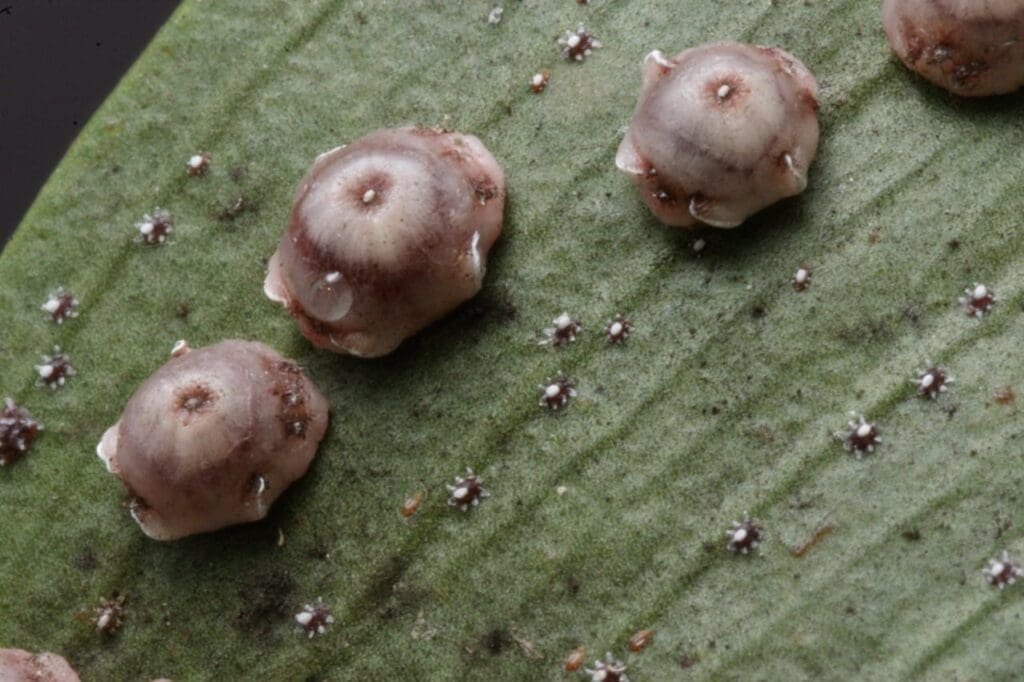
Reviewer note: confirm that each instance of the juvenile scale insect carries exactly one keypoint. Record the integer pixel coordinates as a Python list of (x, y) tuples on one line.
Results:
[(745, 536), (466, 491), (610, 669), (17, 431), (563, 332), (978, 300), (578, 45), (618, 330), (109, 615), (198, 163), (1002, 572), (539, 81), (932, 381), (314, 618), (155, 227), (54, 370), (861, 436), (555, 393), (61, 305), (802, 278)]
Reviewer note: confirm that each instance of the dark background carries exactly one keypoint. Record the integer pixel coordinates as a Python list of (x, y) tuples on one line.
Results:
[(59, 59)]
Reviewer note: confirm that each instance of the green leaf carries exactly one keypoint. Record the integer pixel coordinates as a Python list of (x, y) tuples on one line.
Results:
[(724, 400)]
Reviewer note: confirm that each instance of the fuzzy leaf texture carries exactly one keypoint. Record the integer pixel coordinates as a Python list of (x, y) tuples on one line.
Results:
[(725, 399)]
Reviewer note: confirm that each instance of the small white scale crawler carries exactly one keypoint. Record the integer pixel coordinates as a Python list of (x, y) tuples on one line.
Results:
[(618, 330), (564, 331), (314, 618), (54, 370), (578, 45), (60, 305), (466, 491), (555, 393), (978, 300), (932, 381), (802, 278), (610, 669), (1002, 572), (539, 81), (197, 163), (17, 431), (155, 227), (745, 535), (109, 615), (861, 436)]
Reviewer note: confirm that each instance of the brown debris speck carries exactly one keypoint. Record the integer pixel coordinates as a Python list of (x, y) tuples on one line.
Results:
[(1004, 395), (525, 645), (410, 505), (640, 640), (575, 659), (237, 207), (823, 531)]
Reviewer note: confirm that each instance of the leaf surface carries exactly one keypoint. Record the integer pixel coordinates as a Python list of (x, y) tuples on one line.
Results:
[(725, 399)]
